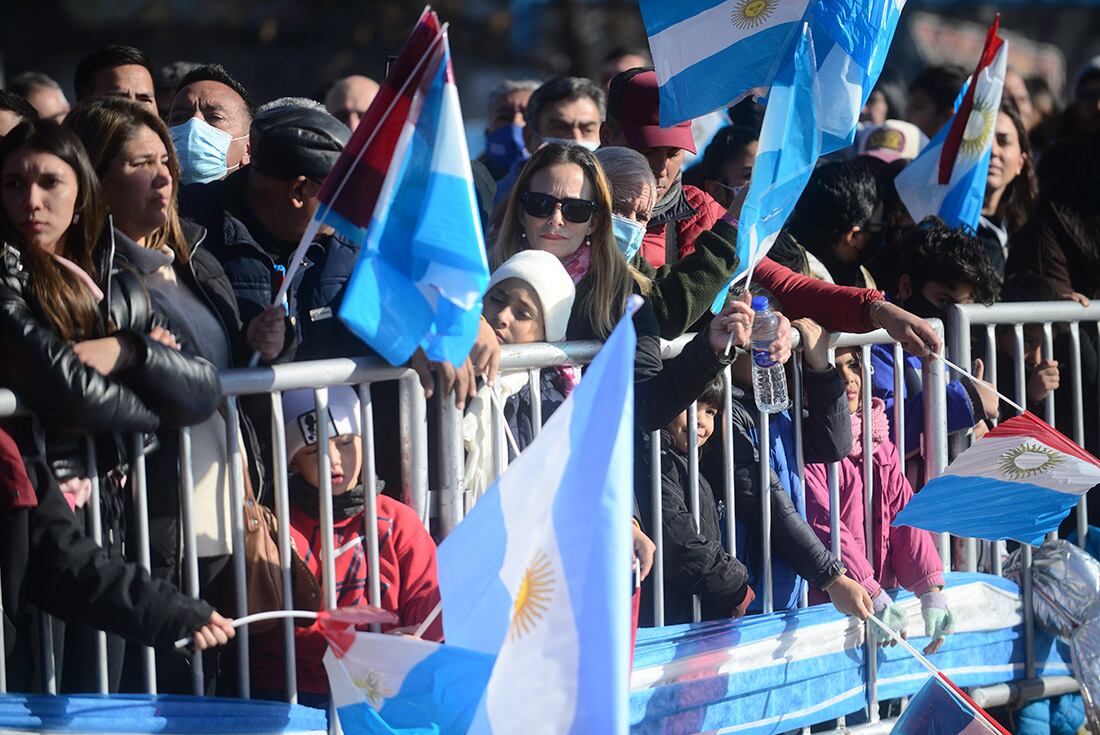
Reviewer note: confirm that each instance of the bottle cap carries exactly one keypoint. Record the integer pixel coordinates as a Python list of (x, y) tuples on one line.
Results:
[(759, 303)]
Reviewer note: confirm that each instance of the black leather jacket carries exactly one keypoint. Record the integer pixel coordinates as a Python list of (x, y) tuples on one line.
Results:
[(161, 388)]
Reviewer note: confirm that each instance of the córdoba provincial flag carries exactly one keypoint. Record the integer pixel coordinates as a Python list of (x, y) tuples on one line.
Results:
[(1017, 482), (948, 177), (936, 709), (538, 573)]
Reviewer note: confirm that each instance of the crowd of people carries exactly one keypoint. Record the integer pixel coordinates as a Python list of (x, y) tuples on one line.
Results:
[(147, 228)]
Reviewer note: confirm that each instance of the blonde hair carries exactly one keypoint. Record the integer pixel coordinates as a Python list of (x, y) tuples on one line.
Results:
[(105, 125), (612, 277)]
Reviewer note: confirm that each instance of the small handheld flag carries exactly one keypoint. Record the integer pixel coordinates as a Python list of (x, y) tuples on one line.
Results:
[(1017, 482), (948, 177)]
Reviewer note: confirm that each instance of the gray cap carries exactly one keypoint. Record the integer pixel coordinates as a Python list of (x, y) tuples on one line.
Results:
[(292, 141)]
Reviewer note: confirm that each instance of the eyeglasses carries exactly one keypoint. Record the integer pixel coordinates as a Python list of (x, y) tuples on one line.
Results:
[(539, 205)]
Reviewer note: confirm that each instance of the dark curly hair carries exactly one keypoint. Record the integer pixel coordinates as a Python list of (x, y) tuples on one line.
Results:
[(839, 196), (932, 251)]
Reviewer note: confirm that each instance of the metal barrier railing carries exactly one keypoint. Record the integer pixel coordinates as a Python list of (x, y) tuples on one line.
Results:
[(446, 504)]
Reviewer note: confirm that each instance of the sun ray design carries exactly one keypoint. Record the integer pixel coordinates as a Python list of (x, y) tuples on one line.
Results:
[(1028, 460), (753, 13), (536, 592), (374, 686), (979, 128)]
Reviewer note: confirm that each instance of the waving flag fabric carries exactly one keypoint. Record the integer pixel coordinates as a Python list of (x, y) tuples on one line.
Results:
[(387, 684), (948, 177), (538, 573), (710, 53), (403, 192), (1017, 482), (939, 710), (788, 149)]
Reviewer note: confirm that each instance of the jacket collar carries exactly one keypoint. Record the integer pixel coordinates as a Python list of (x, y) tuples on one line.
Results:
[(675, 206)]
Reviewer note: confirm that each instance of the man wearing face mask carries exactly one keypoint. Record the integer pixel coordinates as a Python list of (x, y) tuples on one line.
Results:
[(562, 110), (504, 145), (838, 220), (208, 122)]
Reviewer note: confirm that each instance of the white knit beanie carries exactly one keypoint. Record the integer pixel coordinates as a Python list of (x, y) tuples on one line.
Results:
[(547, 276), (300, 416)]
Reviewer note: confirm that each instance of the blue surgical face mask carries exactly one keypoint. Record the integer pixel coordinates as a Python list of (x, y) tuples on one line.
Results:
[(202, 149), (628, 234), (504, 146)]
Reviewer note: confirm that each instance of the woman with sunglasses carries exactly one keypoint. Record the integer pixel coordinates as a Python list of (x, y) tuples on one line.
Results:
[(561, 204)]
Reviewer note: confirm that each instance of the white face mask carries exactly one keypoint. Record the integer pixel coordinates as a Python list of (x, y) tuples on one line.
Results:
[(588, 145)]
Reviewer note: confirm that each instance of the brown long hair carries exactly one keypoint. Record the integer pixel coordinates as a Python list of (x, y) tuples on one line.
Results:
[(64, 299), (106, 125), (612, 277), (1018, 201)]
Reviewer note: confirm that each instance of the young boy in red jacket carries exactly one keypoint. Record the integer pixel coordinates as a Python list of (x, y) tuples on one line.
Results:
[(406, 552)]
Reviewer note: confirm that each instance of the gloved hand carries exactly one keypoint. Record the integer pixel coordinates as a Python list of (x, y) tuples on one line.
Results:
[(938, 620), (892, 614)]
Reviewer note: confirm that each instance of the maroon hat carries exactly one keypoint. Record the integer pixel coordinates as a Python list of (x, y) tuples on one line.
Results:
[(634, 101)]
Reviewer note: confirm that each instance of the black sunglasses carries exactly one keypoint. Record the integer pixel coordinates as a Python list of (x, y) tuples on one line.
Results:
[(572, 210)]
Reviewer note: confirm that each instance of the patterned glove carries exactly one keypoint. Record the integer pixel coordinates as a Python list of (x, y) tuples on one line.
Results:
[(938, 620), (892, 614)]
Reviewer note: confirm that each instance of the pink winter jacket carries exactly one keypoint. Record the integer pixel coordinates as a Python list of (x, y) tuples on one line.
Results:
[(903, 556)]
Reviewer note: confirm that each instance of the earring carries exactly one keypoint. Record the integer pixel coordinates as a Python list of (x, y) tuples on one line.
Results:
[(76, 217), (522, 235)]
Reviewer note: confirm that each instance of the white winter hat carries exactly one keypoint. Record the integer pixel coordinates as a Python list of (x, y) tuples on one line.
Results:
[(547, 276), (300, 416)]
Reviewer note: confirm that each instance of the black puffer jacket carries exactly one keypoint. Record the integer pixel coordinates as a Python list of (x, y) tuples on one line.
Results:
[(161, 388), (695, 563)]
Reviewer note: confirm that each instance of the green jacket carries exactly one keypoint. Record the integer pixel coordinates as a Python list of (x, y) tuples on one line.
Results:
[(683, 292)]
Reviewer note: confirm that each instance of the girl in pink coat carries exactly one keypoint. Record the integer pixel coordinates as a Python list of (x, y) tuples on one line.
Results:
[(903, 556)]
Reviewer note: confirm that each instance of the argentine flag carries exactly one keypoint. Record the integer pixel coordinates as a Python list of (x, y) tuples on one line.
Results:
[(538, 574), (790, 143), (1017, 482), (708, 54), (388, 684), (948, 177)]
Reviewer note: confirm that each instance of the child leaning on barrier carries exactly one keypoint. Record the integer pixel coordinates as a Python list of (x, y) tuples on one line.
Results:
[(901, 555), (695, 563), (529, 300), (406, 553)]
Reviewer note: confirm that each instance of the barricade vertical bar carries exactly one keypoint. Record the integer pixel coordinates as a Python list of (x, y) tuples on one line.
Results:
[(534, 382), (141, 515), (1078, 422), (1025, 577), (868, 468), (500, 449), (3, 645), (324, 474), (800, 460), (282, 517), (1048, 354), (97, 536), (693, 489), (763, 430), (451, 475), (935, 437), (657, 530), (49, 663), (996, 547), (236, 515), (190, 557), (727, 460), (832, 474), (370, 500), (899, 405), (413, 421)]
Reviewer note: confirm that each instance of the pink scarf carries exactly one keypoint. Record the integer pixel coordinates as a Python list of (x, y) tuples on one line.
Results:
[(880, 428), (576, 263)]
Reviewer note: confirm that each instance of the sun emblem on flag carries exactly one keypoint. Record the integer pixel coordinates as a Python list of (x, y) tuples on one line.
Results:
[(536, 590), (979, 128), (753, 13), (1028, 460), (374, 687)]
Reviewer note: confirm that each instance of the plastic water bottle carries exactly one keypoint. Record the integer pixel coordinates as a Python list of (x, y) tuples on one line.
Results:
[(769, 381)]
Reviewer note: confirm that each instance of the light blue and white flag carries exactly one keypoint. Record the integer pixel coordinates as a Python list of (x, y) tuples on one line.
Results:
[(422, 268), (389, 685), (710, 53), (539, 572), (790, 143), (948, 178)]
